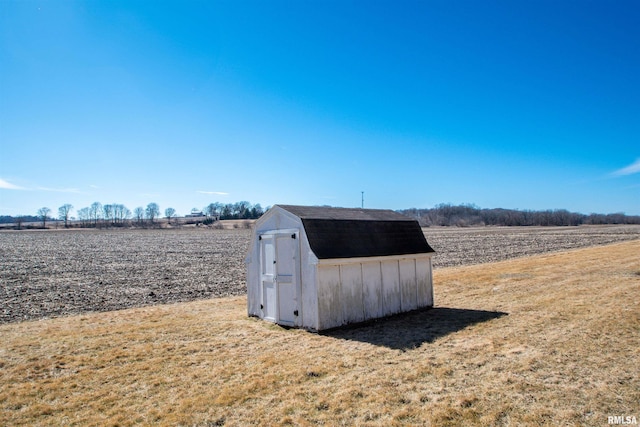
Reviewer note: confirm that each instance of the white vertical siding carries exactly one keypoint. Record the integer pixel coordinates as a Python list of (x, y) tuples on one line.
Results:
[(424, 281), (329, 297), (309, 288), (372, 290), (390, 287), (408, 288), (352, 293)]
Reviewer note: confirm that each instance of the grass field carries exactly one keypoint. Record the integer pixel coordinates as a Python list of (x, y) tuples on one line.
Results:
[(545, 340)]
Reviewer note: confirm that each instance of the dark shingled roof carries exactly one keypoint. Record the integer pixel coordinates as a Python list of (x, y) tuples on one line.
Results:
[(350, 233)]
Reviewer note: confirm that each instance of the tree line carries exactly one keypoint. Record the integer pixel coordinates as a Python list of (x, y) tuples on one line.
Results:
[(239, 210), (118, 215), (467, 215)]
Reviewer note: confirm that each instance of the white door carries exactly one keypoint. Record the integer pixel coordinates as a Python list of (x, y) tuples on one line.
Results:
[(280, 281), (268, 277)]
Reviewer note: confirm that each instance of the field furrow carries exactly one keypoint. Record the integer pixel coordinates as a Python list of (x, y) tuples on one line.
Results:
[(62, 272)]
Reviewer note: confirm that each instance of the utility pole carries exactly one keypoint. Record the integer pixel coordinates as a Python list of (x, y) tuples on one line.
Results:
[(362, 205)]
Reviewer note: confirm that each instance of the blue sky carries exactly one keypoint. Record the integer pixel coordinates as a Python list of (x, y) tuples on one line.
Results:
[(513, 104)]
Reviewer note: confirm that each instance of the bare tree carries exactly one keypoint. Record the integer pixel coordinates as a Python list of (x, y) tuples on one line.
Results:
[(121, 213), (152, 212), (213, 210), (95, 211), (256, 211), (169, 213), (138, 214), (63, 213), (241, 210), (43, 213), (109, 213), (84, 216), (227, 211), (18, 221)]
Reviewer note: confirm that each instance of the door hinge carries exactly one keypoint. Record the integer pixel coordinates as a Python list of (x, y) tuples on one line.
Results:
[(295, 312), (259, 237), (261, 307), (293, 236)]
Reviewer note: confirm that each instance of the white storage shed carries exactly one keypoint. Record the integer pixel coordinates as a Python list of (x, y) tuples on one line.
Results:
[(320, 267)]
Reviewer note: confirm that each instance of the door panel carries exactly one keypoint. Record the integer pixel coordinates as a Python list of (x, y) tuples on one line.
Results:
[(267, 277), (279, 276), (270, 300), (286, 303), (286, 249)]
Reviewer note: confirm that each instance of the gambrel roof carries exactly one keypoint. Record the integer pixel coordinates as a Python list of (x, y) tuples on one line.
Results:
[(352, 232)]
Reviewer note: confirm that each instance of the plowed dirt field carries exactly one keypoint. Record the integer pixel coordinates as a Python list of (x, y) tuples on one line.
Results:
[(52, 273)]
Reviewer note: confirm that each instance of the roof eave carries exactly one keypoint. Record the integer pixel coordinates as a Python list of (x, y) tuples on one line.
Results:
[(358, 260)]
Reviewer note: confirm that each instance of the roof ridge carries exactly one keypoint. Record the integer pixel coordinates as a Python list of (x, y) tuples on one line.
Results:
[(340, 213)]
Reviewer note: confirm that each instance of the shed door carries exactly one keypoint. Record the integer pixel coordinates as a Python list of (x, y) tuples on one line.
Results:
[(280, 277), (268, 277)]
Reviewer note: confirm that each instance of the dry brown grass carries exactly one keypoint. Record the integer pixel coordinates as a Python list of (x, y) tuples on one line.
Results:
[(545, 340)]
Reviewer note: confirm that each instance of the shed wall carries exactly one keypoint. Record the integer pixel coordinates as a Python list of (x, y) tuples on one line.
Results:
[(354, 291), (390, 287), (408, 289), (330, 311), (372, 290), (424, 282)]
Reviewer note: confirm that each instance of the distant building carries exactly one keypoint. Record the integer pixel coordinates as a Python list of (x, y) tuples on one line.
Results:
[(200, 215)]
